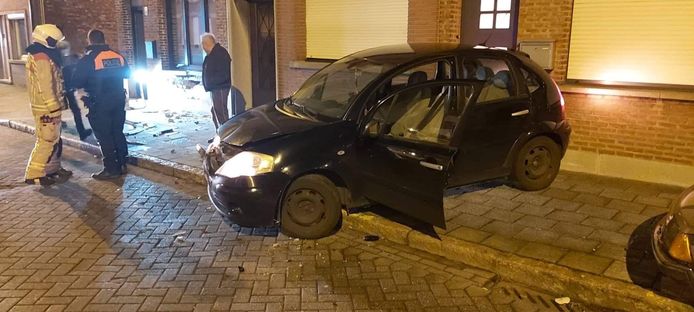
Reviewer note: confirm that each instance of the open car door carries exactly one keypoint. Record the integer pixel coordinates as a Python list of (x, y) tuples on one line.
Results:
[(408, 147)]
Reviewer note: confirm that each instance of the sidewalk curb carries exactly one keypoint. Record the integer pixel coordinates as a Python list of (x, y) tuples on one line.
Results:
[(166, 167), (581, 286)]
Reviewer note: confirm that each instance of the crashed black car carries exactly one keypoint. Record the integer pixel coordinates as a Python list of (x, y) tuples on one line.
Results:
[(394, 125), (673, 242)]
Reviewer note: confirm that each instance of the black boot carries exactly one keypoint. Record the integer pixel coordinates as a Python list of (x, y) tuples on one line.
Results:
[(105, 175), (43, 181), (61, 176), (85, 134)]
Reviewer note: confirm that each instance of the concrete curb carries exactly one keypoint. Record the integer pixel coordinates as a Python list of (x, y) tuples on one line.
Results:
[(581, 286), (166, 167)]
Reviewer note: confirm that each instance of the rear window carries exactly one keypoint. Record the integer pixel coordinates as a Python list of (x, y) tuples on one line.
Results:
[(553, 93)]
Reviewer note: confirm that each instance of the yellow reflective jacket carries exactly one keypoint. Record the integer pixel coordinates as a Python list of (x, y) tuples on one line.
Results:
[(45, 84)]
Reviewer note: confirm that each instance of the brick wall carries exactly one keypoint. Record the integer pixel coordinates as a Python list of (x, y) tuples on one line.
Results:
[(219, 9), (548, 20), (78, 17), (290, 45), (650, 129)]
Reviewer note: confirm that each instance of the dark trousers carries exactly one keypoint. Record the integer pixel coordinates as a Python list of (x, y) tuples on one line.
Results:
[(220, 106), (107, 124), (72, 103)]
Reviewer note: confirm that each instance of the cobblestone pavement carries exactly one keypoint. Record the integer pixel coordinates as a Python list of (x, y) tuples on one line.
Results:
[(582, 221), (151, 243)]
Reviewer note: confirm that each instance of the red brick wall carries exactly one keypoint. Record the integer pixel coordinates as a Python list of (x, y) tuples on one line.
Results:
[(290, 45), (548, 20), (220, 30), (632, 127), (78, 17)]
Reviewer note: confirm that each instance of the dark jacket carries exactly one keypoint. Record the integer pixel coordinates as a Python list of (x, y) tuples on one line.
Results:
[(69, 65), (216, 69), (101, 72)]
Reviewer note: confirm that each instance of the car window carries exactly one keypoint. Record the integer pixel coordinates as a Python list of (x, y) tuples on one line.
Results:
[(439, 70), (427, 114), (331, 91), (496, 75), (531, 80)]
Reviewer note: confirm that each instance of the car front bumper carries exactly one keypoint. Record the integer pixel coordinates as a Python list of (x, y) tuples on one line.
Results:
[(668, 266), (246, 201)]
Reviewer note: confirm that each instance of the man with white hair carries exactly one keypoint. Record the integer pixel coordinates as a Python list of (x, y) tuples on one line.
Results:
[(216, 77)]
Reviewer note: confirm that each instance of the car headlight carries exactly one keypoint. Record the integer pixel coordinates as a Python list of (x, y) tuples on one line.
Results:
[(681, 248), (246, 164), (678, 244)]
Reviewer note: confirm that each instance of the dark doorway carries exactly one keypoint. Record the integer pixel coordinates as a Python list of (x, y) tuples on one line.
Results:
[(139, 46), (263, 51), (492, 21)]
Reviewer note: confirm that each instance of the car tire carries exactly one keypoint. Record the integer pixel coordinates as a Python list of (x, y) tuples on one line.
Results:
[(537, 164), (311, 208)]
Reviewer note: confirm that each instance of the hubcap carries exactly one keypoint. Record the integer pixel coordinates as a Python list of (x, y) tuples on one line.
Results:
[(538, 162), (306, 207)]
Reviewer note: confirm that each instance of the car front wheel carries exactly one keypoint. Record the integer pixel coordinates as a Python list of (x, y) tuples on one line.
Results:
[(537, 164), (311, 208)]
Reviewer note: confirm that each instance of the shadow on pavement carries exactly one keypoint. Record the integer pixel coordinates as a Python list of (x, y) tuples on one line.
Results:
[(643, 268)]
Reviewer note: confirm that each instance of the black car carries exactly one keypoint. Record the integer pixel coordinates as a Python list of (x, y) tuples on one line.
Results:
[(394, 125), (673, 242)]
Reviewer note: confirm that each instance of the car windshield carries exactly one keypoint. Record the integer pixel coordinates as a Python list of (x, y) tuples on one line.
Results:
[(329, 93)]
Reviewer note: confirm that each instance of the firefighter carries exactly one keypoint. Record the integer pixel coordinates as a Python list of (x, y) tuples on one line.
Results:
[(100, 74), (46, 95)]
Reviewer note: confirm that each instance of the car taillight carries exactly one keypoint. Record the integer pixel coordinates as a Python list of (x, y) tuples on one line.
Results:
[(680, 248)]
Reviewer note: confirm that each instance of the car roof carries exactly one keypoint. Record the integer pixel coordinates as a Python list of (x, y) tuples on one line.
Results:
[(404, 53)]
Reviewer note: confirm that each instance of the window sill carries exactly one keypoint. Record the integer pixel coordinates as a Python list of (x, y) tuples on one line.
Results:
[(642, 92), (312, 65)]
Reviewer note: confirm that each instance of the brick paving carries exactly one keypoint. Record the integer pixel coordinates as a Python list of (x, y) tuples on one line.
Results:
[(152, 243), (582, 221)]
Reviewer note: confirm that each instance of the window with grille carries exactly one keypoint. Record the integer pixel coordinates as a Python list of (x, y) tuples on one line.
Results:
[(495, 14)]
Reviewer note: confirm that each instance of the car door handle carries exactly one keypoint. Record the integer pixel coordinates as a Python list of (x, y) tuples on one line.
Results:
[(431, 166), (521, 113)]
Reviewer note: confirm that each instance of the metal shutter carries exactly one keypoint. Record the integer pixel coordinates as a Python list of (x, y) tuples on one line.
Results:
[(634, 41), (336, 28)]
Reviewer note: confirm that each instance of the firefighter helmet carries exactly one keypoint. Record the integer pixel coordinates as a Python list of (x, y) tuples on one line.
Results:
[(47, 35)]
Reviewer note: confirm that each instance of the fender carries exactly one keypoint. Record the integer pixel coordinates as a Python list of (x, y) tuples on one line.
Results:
[(539, 128)]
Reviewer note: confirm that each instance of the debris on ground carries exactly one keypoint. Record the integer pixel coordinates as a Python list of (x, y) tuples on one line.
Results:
[(179, 234), (173, 151), (371, 238), (167, 131), (180, 239), (562, 300), (241, 269)]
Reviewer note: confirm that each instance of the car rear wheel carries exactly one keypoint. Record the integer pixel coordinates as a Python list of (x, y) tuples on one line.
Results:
[(537, 164), (311, 208)]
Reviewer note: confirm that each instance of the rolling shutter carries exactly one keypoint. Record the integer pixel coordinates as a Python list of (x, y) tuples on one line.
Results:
[(336, 28), (636, 41)]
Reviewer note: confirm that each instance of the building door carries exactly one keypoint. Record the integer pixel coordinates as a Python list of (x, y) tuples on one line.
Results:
[(263, 51), (493, 23), (4, 51)]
